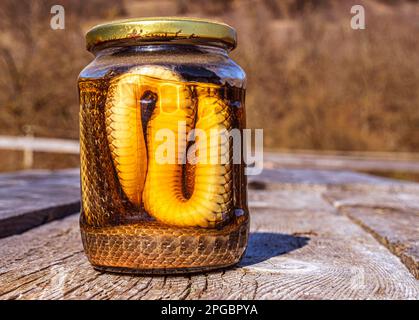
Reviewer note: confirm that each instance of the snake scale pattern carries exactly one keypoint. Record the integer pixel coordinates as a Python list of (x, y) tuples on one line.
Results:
[(182, 231)]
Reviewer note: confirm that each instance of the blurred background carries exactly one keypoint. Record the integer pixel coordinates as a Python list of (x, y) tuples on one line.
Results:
[(316, 86)]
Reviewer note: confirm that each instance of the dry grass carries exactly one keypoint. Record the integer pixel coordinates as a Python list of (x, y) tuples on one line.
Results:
[(313, 82)]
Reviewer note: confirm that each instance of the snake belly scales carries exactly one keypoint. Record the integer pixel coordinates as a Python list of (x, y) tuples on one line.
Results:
[(185, 234)]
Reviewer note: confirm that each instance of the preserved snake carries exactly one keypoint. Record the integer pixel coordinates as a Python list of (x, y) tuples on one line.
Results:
[(183, 232)]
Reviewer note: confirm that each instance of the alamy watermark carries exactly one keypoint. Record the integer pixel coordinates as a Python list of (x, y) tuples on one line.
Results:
[(358, 20), (57, 21), (217, 146)]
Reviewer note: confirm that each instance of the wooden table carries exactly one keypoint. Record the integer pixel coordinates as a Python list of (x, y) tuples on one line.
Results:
[(314, 235)]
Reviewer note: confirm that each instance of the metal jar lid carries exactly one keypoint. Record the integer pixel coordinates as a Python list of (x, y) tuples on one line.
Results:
[(162, 29)]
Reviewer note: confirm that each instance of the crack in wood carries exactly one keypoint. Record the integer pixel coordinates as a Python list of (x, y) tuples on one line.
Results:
[(357, 213)]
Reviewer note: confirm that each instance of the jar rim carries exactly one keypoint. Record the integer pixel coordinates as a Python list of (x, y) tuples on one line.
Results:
[(162, 29)]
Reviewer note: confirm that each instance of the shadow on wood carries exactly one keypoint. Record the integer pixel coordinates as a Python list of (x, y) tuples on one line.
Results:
[(265, 245)]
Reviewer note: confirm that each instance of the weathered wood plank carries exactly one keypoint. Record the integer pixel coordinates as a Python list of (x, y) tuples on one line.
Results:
[(300, 248), (365, 162), (31, 198), (391, 217), (346, 189), (321, 178)]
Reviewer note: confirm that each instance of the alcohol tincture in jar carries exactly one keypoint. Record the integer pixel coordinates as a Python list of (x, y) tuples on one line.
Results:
[(162, 174)]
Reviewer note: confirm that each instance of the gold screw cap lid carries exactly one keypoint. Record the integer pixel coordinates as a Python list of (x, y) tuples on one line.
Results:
[(162, 29)]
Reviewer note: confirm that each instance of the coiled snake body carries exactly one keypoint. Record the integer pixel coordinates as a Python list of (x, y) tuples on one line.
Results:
[(192, 232)]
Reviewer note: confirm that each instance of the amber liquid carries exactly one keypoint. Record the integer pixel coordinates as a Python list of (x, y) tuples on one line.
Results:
[(104, 202)]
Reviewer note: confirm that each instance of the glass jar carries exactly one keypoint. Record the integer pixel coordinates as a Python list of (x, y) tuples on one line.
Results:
[(161, 192)]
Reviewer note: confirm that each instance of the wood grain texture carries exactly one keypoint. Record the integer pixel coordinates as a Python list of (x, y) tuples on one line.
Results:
[(300, 248), (391, 217), (347, 161), (315, 177), (31, 198)]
